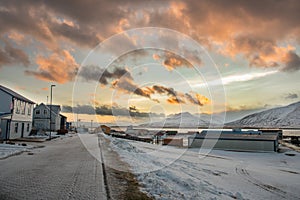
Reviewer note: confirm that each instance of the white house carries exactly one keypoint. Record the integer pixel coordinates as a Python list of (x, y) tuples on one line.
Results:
[(41, 117), (15, 113)]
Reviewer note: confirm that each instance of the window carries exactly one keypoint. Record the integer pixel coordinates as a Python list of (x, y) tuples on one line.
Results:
[(28, 109), (37, 112), (45, 112), (16, 127), (17, 106), (23, 108), (28, 127)]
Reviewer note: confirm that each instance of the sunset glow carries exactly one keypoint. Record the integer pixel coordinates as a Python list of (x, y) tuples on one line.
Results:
[(253, 46)]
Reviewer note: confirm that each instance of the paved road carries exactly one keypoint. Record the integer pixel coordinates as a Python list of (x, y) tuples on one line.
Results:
[(61, 170)]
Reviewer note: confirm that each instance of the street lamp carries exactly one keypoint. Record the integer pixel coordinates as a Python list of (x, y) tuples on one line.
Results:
[(51, 109)]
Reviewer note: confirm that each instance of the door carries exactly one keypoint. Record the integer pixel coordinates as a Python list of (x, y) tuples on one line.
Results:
[(22, 133)]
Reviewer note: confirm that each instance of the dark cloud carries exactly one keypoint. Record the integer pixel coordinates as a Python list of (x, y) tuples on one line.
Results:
[(10, 55), (193, 100), (96, 73), (135, 57), (108, 110), (129, 86), (83, 36), (292, 62), (291, 96), (228, 26), (164, 90), (121, 79), (176, 97), (175, 100)]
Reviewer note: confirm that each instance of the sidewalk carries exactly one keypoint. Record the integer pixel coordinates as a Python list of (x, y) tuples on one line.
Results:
[(63, 169)]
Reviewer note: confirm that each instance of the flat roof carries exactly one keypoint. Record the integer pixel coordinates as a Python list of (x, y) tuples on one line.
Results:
[(236, 137), (230, 132)]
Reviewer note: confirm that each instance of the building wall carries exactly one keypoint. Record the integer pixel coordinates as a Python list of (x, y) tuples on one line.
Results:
[(41, 118), (21, 114), (5, 102), (3, 126), (22, 111), (16, 129), (41, 124), (57, 122), (239, 145)]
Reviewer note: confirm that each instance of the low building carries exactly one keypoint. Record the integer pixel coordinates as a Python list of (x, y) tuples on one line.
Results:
[(41, 117), (63, 122), (234, 141), (15, 114), (272, 132), (137, 132), (173, 142)]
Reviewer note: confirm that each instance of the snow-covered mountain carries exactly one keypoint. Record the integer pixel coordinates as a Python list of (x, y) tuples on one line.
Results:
[(287, 116), (184, 119)]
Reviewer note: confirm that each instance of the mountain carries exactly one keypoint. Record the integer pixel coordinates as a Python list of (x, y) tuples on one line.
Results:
[(286, 116), (188, 120), (184, 119)]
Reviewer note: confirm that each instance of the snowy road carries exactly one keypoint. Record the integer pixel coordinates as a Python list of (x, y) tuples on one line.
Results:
[(61, 170)]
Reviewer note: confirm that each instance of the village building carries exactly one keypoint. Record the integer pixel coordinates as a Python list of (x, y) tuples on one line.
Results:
[(41, 118), (235, 140), (15, 114)]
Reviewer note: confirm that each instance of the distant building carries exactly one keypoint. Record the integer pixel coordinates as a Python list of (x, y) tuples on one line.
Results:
[(235, 140), (63, 122), (41, 118), (15, 114)]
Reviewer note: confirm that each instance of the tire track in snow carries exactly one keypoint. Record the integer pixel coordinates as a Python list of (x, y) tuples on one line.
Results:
[(272, 189)]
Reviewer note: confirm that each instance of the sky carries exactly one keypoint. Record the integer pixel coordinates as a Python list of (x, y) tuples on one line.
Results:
[(129, 60)]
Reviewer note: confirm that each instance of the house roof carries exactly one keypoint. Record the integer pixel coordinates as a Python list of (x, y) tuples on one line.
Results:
[(55, 109), (233, 136), (2, 115), (62, 116), (14, 94)]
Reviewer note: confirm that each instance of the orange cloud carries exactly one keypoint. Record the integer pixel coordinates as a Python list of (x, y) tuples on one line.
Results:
[(156, 56), (202, 99), (172, 61), (17, 37), (174, 100), (215, 24), (60, 67), (129, 86), (259, 52)]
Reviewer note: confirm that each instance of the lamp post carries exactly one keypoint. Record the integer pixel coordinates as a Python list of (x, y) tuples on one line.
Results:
[(51, 109)]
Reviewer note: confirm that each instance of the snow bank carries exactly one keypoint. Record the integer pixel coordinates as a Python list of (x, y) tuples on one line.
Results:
[(7, 150), (177, 173)]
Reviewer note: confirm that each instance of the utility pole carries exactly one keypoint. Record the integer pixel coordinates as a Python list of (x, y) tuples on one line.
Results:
[(51, 110)]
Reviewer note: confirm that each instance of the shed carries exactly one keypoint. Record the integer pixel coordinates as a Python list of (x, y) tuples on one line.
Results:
[(235, 142), (173, 142)]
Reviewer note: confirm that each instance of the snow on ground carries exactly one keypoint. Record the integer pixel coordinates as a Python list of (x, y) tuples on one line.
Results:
[(7, 150), (167, 172)]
